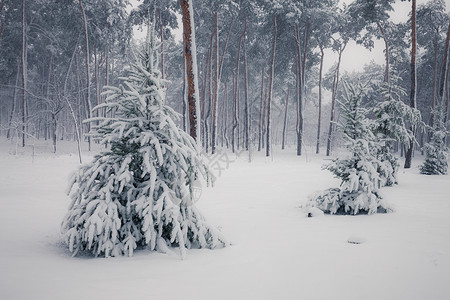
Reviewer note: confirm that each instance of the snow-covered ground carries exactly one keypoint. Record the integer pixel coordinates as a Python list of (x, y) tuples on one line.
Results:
[(276, 252)]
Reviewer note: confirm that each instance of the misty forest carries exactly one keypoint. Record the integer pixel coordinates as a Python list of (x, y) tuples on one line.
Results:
[(315, 134)]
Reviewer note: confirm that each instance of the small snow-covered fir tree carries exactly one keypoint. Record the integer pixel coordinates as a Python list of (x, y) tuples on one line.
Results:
[(389, 126), (360, 180), (139, 193), (435, 151)]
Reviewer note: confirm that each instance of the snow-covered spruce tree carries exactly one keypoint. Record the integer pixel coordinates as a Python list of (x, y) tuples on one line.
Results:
[(360, 180), (435, 151), (138, 193), (390, 126)]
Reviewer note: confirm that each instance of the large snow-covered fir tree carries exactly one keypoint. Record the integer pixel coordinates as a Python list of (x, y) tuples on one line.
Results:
[(139, 192), (359, 172), (435, 151), (390, 126)]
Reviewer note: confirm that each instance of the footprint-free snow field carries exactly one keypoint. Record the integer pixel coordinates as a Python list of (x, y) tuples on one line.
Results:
[(276, 251)]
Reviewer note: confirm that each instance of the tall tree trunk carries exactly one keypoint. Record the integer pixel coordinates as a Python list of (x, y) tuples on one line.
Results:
[(319, 119), (54, 127), (433, 92), (235, 137), (24, 74), (72, 112), (225, 130), (191, 67), (447, 90), (246, 114), (206, 110), (412, 96), (299, 90), (283, 138), (96, 78), (184, 97), (13, 109), (444, 65), (234, 116), (386, 52), (2, 24), (88, 81), (261, 109), (333, 99), (216, 85), (161, 33), (444, 74), (271, 75)]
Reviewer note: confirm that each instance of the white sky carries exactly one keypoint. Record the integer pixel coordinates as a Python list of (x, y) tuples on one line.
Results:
[(356, 56)]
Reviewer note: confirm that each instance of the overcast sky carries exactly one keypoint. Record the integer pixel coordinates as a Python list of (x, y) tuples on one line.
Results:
[(355, 56)]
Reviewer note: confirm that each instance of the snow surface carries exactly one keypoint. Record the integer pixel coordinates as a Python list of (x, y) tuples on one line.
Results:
[(277, 252)]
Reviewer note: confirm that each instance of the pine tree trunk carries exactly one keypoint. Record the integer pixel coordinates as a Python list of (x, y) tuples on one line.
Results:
[(74, 118), (433, 93), (13, 109), (444, 65), (161, 33), (412, 96), (246, 114), (225, 130), (299, 89), (184, 97), (88, 81), (208, 81), (283, 138), (54, 124), (96, 78), (24, 74), (261, 109), (216, 85), (319, 119), (191, 67), (3, 21), (333, 99), (444, 74), (235, 136), (271, 75), (386, 54)]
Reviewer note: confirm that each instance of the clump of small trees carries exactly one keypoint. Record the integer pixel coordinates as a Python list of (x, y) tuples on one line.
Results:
[(370, 164)]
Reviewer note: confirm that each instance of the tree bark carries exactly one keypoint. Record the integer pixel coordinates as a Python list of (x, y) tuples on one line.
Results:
[(88, 81), (299, 90), (216, 85), (246, 114), (433, 93), (319, 119), (269, 100), (23, 59), (333, 98), (412, 96), (261, 109), (283, 138), (191, 67), (13, 109), (161, 33), (235, 137), (386, 54), (444, 65), (2, 24)]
